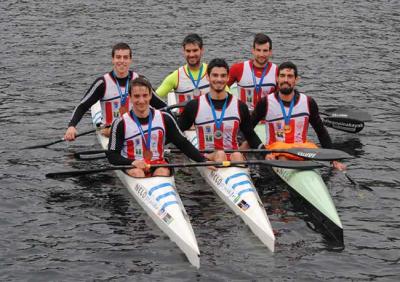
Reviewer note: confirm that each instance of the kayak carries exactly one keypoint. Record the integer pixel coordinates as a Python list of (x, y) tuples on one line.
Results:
[(160, 200), (235, 188)]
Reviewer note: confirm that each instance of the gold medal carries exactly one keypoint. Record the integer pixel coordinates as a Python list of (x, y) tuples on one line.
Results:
[(287, 128), (147, 155)]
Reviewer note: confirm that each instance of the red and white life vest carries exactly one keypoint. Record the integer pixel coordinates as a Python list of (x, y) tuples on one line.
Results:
[(134, 145), (206, 128), (299, 121), (185, 88), (111, 101), (246, 87)]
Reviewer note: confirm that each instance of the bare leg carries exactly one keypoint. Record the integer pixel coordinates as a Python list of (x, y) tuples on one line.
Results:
[(136, 172), (162, 171)]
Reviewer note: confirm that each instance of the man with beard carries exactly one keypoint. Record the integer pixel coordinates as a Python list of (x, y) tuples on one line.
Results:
[(255, 78), (218, 116), (111, 90), (288, 114), (189, 81)]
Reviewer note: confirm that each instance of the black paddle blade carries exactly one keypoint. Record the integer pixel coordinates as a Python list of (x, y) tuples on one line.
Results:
[(344, 113), (42, 145), (319, 154), (290, 164), (344, 124)]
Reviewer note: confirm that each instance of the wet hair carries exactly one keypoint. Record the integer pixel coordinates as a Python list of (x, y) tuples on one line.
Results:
[(121, 46), (192, 38), (261, 38), (140, 81), (288, 65), (217, 63)]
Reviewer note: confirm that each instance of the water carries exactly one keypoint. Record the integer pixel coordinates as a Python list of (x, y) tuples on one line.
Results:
[(89, 228)]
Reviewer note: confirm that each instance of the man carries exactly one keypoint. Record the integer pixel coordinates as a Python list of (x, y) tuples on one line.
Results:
[(218, 116), (189, 81), (257, 77), (288, 114), (111, 90), (139, 136)]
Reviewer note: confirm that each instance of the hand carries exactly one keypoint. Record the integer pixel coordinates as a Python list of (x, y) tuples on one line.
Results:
[(140, 164), (339, 166), (106, 131), (70, 134), (270, 157), (211, 167)]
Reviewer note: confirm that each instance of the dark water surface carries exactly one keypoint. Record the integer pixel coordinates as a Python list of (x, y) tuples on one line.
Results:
[(91, 229)]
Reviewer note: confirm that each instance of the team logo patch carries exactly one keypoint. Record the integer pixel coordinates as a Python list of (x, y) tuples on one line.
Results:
[(243, 205)]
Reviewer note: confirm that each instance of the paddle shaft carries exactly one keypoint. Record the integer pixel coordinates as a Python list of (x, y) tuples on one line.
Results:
[(57, 141)]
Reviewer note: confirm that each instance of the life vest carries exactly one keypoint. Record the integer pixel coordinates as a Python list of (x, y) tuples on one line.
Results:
[(246, 87), (111, 101), (134, 145), (284, 146), (206, 127), (299, 121)]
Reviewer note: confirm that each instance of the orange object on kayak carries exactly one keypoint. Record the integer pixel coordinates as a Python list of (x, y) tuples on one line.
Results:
[(284, 146)]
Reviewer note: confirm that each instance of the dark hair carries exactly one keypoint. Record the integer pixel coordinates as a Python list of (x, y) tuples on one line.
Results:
[(121, 46), (140, 81), (217, 63), (261, 38), (192, 38), (288, 65)]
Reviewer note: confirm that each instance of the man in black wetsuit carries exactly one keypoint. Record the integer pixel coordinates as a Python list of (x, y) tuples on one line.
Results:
[(218, 116), (139, 136), (111, 90)]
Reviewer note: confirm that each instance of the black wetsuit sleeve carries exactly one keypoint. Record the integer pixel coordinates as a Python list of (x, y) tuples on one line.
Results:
[(317, 124), (116, 144), (156, 102), (247, 128), (94, 94), (259, 113), (175, 136), (188, 116)]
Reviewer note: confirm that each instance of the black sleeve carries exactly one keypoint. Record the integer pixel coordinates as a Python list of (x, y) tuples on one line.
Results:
[(94, 94), (259, 113), (317, 124), (246, 127), (116, 143), (156, 102), (188, 116), (175, 136)]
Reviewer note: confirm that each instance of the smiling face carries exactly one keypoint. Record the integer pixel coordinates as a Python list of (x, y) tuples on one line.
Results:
[(261, 54), (121, 61), (193, 53), (140, 99), (218, 79)]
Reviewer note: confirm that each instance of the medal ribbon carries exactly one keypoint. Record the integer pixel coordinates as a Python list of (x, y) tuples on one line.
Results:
[(122, 96), (195, 82), (259, 85), (286, 117), (218, 122), (147, 144)]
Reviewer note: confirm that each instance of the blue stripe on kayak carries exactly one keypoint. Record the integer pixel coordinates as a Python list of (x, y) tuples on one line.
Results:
[(170, 193), (245, 191), (158, 187), (234, 176), (170, 203), (241, 183)]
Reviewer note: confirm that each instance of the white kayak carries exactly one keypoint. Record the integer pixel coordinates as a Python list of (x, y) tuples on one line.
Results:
[(159, 198), (235, 187)]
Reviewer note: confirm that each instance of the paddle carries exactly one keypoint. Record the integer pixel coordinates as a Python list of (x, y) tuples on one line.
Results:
[(275, 163), (345, 119), (318, 154), (57, 141), (358, 185), (180, 105)]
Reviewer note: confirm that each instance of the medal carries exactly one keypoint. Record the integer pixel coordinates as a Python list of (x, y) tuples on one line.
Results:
[(218, 134), (123, 109), (286, 117), (196, 92), (123, 96), (147, 155), (287, 128)]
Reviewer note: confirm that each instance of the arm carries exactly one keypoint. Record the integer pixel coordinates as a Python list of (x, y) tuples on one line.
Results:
[(247, 128), (235, 73), (188, 116), (169, 83), (259, 112), (116, 144), (175, 136), (317, 124)]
